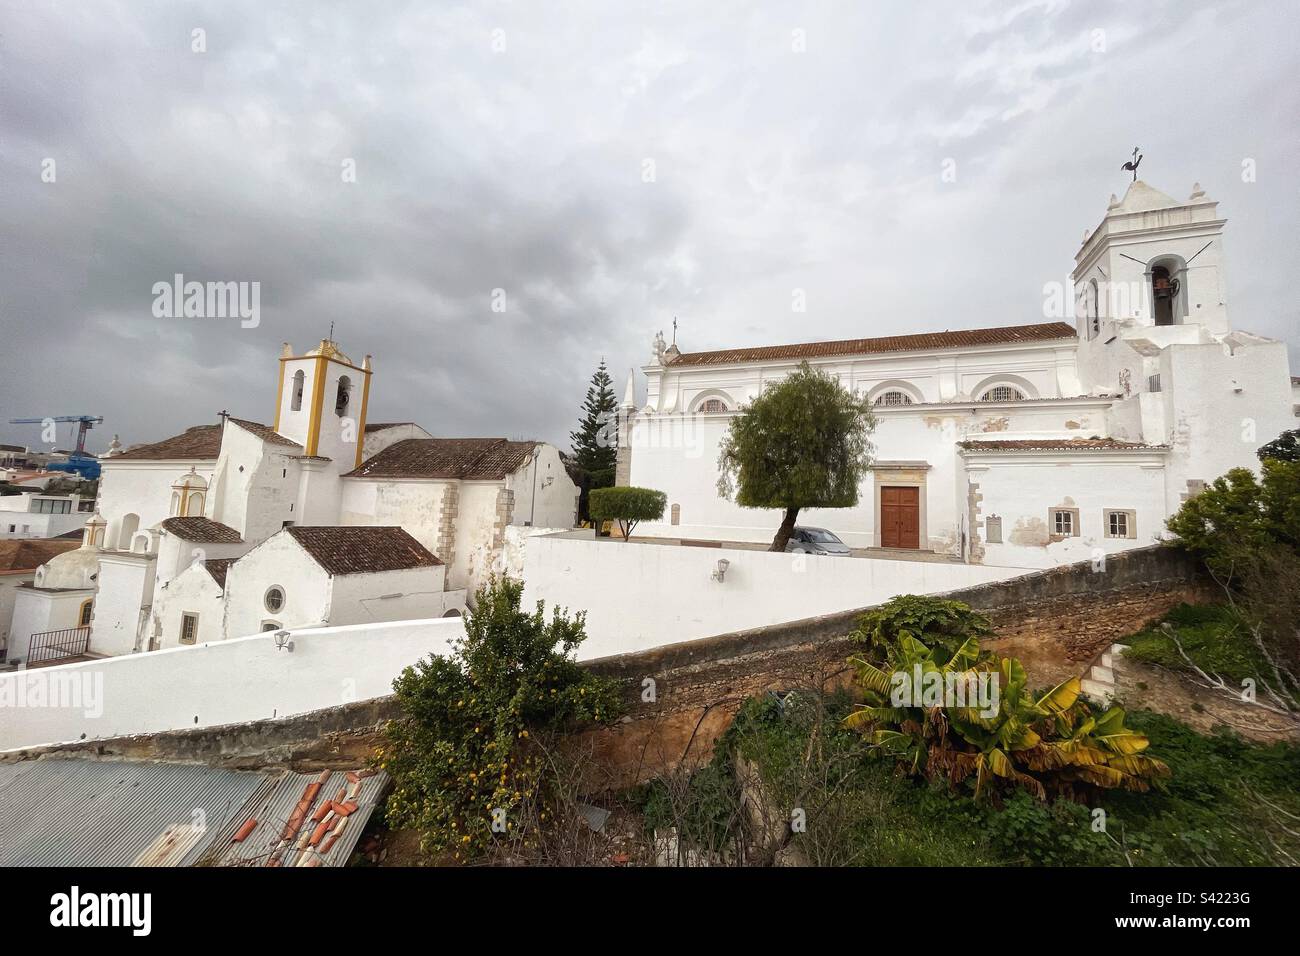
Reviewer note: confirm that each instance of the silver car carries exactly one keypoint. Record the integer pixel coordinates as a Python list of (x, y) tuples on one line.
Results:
[(816, 541)]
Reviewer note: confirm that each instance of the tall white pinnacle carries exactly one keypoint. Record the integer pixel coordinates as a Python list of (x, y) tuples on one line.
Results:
[(629, 395)]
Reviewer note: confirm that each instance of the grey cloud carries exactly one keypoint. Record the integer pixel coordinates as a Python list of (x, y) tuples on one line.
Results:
[(521, 170)]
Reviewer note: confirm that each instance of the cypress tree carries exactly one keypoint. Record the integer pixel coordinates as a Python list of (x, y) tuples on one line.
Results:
[(595, 441)]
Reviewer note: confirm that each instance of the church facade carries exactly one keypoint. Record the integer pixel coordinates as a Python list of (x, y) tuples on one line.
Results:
[(1025, 445)]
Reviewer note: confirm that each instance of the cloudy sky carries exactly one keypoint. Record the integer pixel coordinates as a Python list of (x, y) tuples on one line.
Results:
[(607, 165)]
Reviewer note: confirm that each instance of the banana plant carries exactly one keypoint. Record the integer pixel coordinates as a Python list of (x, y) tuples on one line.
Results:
[(1046, 743)]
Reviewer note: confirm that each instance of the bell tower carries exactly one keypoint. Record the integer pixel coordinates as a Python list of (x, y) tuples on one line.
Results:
[(321, 402), (1152, 262)]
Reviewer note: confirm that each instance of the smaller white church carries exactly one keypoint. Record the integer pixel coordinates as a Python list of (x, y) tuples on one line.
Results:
[(1023, 445), (320, 518)]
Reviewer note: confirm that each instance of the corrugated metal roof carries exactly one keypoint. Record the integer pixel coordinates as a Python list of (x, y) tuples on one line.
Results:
[(273, 810), (108, 813), (102, 813)]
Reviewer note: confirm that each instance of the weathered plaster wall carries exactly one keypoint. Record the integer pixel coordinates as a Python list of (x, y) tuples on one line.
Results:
[(1022, 489), (545, 495), (389, 596), (193, 591), (415, 506)]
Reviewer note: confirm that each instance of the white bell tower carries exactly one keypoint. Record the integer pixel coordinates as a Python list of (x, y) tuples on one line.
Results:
[(1153, 262), (322, 402)]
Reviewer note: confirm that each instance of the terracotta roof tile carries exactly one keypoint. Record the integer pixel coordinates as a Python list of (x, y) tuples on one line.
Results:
[(28, 554), (264, 432), (201, 530), (472, 459), (891, 343), (201, 442), (362, 549), (380, 426), (1056, 444), (217, 568)]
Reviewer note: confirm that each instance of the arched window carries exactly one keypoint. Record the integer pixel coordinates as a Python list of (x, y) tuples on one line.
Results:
[(714, 405), (1094, 310), (1003, 393), (893, 397), (195, 506), (130, 525), (298, 378), (176, 503), (1164, 295), (83, 616), (345, 392)]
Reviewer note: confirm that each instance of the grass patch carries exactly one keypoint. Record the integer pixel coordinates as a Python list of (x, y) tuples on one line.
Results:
[(1228, 803), (1213, 636)]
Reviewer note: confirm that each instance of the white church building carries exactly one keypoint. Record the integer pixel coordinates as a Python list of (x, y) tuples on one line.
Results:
[(1023, 446), (318, 519)]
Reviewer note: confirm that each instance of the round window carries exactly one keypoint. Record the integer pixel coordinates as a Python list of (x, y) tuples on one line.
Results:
[(274, 599)]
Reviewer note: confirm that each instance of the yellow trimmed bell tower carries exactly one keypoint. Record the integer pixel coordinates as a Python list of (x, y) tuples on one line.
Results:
[(321, 402)]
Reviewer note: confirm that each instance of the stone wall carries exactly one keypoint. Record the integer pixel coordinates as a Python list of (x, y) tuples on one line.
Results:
[(679, 697), (1055, 621)]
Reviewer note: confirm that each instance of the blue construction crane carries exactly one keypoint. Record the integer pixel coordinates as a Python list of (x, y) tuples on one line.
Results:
[(78, 462)]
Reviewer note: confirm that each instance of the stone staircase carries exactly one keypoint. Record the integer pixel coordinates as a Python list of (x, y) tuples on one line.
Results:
[(1098, 682)]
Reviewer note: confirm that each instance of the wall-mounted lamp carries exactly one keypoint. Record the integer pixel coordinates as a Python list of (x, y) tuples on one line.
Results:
[(720, 571), (282, 642)]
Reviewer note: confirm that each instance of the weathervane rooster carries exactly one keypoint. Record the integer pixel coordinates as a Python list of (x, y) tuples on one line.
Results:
[(1133, 163)]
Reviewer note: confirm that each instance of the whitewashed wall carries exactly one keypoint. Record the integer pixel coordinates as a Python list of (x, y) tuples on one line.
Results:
[(35, 611), (539, 503), (143, 488), (228, 682), (1022, 488), (279, 561), (193, 591), (415, 505), (678, 454), (9, 585), (123, 593), (639, 596)]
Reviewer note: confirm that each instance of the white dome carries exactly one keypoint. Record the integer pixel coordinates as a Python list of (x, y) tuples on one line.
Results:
[(72, 569)]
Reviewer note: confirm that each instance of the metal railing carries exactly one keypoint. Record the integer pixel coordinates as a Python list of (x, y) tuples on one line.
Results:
[(49, 646)]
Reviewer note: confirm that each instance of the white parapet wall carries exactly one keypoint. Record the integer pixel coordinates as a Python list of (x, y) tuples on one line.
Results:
[(225, 682), (638, 596)]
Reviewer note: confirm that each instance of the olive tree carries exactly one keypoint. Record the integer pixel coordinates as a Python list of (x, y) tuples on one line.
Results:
[(805, 442), (627, 506)]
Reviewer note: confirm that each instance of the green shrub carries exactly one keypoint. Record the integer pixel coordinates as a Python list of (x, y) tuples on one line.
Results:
[(626, 506), (1214, 636), (934, 622), (1285, 447), (475, 724), (1238, 516)]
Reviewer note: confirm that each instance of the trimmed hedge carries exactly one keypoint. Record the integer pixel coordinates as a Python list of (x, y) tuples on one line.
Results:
[(627, 506)]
